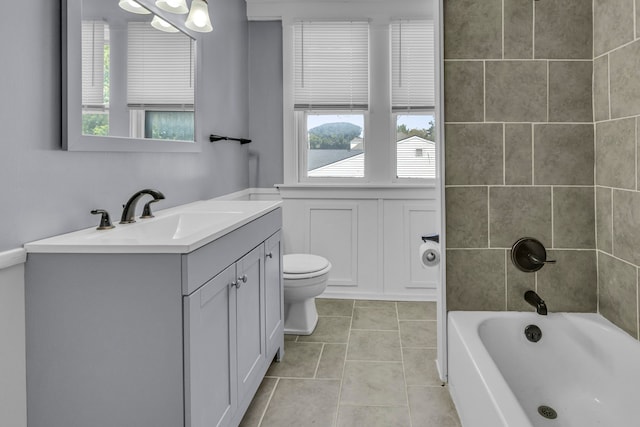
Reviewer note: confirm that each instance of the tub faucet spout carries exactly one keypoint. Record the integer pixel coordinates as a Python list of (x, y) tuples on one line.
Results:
[(534, 299)]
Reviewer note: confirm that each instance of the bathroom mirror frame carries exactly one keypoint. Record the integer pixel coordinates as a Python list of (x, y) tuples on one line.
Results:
[(72, 137)]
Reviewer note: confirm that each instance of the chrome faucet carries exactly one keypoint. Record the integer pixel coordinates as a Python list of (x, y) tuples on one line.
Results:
[(130, 208), (534, 299)]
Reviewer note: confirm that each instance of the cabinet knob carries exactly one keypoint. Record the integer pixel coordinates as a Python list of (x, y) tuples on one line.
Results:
[(242, 279), (269, 255)]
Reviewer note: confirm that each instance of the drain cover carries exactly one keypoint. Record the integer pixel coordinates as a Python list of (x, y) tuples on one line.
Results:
[(547, 412)]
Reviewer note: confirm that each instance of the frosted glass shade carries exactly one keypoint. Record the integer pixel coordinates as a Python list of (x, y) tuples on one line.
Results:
[(198, 19), (133, 7), (173, 6), (162, 25)]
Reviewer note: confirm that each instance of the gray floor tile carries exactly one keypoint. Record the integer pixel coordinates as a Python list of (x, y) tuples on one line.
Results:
[(288, 337), (373, 416), (432, 406), (300, 360), (418, 333), (374, 345), (332, 361), (259, 403), (375, 304), (334, 307), (376, 318), (373, 384), (416, 310), (329, 330), (303, 403), (420, 366)]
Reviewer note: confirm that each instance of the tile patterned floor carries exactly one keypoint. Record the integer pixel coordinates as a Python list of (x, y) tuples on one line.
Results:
[(368, 363)]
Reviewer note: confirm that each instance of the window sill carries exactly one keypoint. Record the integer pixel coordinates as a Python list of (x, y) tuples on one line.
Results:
[(426, 191)]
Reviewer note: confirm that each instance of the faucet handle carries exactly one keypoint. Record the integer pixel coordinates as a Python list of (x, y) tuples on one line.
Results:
[(146, 210), (105, 220)]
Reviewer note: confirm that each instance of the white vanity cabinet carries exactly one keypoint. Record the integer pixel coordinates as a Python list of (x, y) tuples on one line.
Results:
[(154, 340)]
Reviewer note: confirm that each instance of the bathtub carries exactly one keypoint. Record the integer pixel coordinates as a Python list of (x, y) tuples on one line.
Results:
[(584, 368)]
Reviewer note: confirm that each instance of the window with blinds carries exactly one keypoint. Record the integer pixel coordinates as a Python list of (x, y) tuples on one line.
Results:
[(413, 97), (413, 65), (94, 41), (160, 68), (331, 96), (331, 61)]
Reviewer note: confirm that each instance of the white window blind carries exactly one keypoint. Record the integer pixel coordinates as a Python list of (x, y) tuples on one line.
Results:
[(93, 43), (331, 61), (413, 65), (160, 68)]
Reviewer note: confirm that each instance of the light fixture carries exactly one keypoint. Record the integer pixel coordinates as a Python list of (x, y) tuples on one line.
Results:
[(173, 6), (133, 7), (198, 19), (162, 25)]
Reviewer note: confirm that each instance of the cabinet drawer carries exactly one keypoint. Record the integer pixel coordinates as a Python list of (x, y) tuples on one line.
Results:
[(202, 264)]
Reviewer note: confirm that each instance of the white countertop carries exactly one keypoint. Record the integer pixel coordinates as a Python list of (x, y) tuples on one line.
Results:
[(181, 229)]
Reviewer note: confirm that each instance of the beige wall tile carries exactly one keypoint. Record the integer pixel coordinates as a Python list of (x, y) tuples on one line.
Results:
[(516, 91), (473, 154), (475, 279), (626, 229), (518, 154), (518, 29), (573, 217), (624, 64), (571, 283), (473, 29), (467, 217), (616, 153), (601, 88), (516, 212), (618, 289), (563, 154), (518, 282), (563, 29), (604, 219), (612, 24), (570, 90), (464, 91)]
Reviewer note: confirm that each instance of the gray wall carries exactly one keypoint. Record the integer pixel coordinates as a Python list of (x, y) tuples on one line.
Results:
[(46, 191), (519, 151), (265, 103), (617, 108)]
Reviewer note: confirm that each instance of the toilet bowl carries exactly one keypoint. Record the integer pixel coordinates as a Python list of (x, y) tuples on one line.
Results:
[(305, 277)]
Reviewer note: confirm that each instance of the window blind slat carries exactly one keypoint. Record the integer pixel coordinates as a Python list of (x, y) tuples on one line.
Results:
[(93, 43), (413, 65), (331, 65), (160, 67)]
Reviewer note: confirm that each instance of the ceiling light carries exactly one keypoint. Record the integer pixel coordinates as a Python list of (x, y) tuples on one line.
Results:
[(173, 6), (198, 19), (162, 25), (133, 7)]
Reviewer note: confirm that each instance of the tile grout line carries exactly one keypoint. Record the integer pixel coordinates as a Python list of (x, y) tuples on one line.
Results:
[(609, 84), (344, 365), (404, 373), (315, 373), (506, 285), (264, 412), (533, 153)]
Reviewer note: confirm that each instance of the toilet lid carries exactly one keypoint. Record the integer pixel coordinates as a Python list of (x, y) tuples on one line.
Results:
[(303, 263)]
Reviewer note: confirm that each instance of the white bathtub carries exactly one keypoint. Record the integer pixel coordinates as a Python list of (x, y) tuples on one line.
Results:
[(584, 367)]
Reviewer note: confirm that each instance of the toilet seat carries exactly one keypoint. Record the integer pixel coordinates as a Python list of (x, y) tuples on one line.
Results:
[(304, 266)]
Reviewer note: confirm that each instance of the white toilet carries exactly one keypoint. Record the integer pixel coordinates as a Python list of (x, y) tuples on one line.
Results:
[(305, 277)]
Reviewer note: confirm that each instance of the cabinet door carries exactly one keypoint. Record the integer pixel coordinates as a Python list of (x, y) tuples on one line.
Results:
[(273, 294), (210, 342), (249, 321)]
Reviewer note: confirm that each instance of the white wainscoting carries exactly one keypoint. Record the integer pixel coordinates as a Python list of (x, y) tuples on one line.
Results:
[(370, 235), (13, 386)]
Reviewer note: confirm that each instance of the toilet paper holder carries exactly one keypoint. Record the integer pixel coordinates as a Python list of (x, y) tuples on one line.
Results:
[(432, 238)]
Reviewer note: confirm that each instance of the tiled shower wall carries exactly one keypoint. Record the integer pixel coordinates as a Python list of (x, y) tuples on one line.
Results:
[(520, 152), (616, 93)]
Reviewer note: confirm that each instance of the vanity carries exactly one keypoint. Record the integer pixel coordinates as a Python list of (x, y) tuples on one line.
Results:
[(171, 321)]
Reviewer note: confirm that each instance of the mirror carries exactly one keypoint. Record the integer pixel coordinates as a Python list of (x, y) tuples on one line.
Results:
[(129, 78)]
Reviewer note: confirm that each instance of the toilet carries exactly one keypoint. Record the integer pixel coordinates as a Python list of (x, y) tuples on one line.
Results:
[(305, 277)]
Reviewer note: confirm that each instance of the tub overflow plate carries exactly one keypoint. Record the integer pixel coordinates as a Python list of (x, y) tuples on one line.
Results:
[(533, 333)]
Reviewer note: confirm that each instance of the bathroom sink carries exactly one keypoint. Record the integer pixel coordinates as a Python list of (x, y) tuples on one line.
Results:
[(181, 229)]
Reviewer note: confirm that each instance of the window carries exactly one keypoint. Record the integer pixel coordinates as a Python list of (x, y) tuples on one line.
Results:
[(154, 96), (413, 97), (95, 78), (331, 96)]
